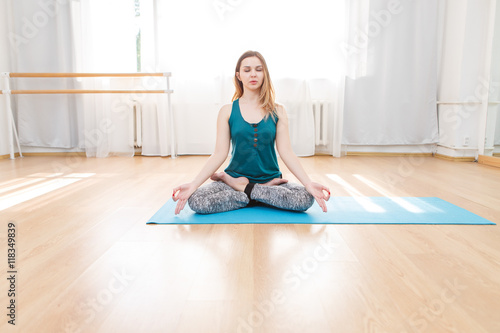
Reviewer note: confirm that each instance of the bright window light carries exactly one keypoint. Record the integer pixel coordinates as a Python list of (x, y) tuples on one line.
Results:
[(299, 39), (30, 188), (18, 197), (79, 175), (398, 200), (22, 184), (364, 201), (46, 175)]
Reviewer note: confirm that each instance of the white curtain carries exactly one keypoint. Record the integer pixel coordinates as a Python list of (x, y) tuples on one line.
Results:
[(200, 42), (6, 136), (493, 121), (105, 116), (464, 72), (390, 93), (82, 36), (107, 44), (296, 96), (40, 41)]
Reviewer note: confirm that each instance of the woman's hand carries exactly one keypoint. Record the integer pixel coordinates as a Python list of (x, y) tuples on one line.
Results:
[(316, 191), (181, 194)]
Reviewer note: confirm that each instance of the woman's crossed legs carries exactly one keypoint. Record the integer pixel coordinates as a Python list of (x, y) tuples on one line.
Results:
[(227, 193)]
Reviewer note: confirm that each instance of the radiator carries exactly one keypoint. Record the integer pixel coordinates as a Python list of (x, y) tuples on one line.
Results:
[(320, 113), (135, 126)]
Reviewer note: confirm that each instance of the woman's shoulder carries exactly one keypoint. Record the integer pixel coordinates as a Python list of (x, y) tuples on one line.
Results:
[(226, 110), (226, 107), (280, 110)]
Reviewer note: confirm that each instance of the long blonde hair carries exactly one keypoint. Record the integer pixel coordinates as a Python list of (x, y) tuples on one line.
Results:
[(267, 94)]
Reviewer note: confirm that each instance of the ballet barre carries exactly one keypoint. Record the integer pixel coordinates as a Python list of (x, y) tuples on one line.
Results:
[(6, 91), (81, 91)]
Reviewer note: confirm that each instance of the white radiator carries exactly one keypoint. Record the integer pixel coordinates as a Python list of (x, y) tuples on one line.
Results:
[(135, 126), (320, 111)]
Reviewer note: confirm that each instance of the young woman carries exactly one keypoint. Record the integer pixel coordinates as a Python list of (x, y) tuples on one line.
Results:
[(253, 123)]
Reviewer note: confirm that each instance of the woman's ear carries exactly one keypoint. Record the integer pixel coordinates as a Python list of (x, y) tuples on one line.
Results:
[(238, 76)]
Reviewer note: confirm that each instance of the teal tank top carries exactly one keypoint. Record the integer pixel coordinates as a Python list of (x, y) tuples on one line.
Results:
[(253, 153)]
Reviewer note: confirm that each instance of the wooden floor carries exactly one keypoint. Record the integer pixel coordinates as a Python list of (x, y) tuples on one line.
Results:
[(87, 262)]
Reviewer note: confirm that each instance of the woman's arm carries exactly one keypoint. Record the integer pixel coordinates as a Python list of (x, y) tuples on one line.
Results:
[(182, 193), (292, 162)]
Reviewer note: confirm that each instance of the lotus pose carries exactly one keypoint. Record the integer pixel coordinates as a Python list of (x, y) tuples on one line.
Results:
[(254, 123)]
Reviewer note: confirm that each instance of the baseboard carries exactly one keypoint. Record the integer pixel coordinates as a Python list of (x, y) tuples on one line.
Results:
[(65, 154), (3, 157), (359, 153), (57, 154), (489, 160), (455, 158)]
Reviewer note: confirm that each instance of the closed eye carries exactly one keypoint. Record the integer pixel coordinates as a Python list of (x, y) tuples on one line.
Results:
[(247, 68)]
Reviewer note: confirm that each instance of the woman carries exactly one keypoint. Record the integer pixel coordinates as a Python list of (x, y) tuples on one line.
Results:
[(254, 122)]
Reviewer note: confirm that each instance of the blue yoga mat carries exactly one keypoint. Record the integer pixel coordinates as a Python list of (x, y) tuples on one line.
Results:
[(341, 210)]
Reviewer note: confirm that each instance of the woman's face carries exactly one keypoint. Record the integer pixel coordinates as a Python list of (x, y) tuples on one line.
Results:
[(251, 73)]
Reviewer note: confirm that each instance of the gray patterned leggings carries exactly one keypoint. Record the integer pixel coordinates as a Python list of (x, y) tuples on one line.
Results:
[(219, 197)]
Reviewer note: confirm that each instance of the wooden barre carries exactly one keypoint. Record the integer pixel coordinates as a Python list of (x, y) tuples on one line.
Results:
[(4, 76), (82, 91), (54, 75)]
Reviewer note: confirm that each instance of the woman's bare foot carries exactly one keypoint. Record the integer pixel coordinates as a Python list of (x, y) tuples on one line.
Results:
[(238, 184), (276, 181)]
